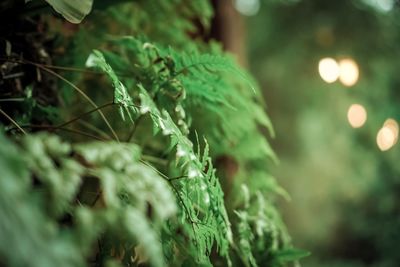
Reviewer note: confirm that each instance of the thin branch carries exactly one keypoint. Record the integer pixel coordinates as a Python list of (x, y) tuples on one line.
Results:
[(12, 121), (135, 124), (95, 129), (188, 216), (81, 133), (40, 66), (183, 203), (54, 67), (154, 169), (97, 197), (86, 113), (178, 177), (155, 159), (83, 94), (12, 99), (62, 68), (162, 174), (174, 188), (55, 128)]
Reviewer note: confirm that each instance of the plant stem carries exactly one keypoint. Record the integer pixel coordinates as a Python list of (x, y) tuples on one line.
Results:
[(84, 95), (95, 129), (40, 66), (177, 178), (134, 128), (12, 99), (12, 121), (55, 128), (86, 113), (154, 159), (62, 68)]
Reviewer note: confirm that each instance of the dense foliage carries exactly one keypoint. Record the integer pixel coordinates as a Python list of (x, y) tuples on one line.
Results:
[(129, 140)]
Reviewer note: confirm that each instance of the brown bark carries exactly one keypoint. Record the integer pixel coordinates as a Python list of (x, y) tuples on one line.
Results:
[(228, 27)]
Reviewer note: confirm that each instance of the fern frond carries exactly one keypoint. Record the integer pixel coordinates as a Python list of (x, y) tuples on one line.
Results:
[(127, 189), (246, 238), (21, 220), (196, 65), (62, 176), (121, 96), (204, 207)]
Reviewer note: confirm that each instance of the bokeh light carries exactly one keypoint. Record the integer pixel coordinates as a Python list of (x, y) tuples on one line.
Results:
[(385, 138), (393, 126), (389, 139), (328, 70), (357, 115), (247, 7), (348, 72)]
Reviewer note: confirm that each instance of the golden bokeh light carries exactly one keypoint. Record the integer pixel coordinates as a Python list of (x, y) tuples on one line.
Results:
[(357, 115), (385, 138), (328, 70), (393, 126), (388, 135), (348, 72)]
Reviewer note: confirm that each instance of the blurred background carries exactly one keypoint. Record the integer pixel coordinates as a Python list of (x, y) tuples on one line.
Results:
[(330, 72)]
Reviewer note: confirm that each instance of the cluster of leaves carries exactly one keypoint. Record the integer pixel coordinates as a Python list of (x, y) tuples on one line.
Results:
[(166, 198), (58, 217)]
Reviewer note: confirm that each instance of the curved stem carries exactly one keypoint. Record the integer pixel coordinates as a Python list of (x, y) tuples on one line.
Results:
[(12, 121), (154, 169), (63, 68), (83, 94), (177, 178), (40, 66), (135, 124), (81, 133), (84, 114), (154, 159), (92, 127), (55, 128)]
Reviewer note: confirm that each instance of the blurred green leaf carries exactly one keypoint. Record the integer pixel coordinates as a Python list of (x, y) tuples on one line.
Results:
[(291, 254), (72, 10)]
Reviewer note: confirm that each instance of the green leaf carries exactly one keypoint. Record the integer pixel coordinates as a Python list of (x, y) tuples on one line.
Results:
[(291, 254), (72, 10)]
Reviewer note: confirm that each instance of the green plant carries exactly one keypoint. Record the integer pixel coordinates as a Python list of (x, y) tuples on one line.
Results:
[(177, 129)]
